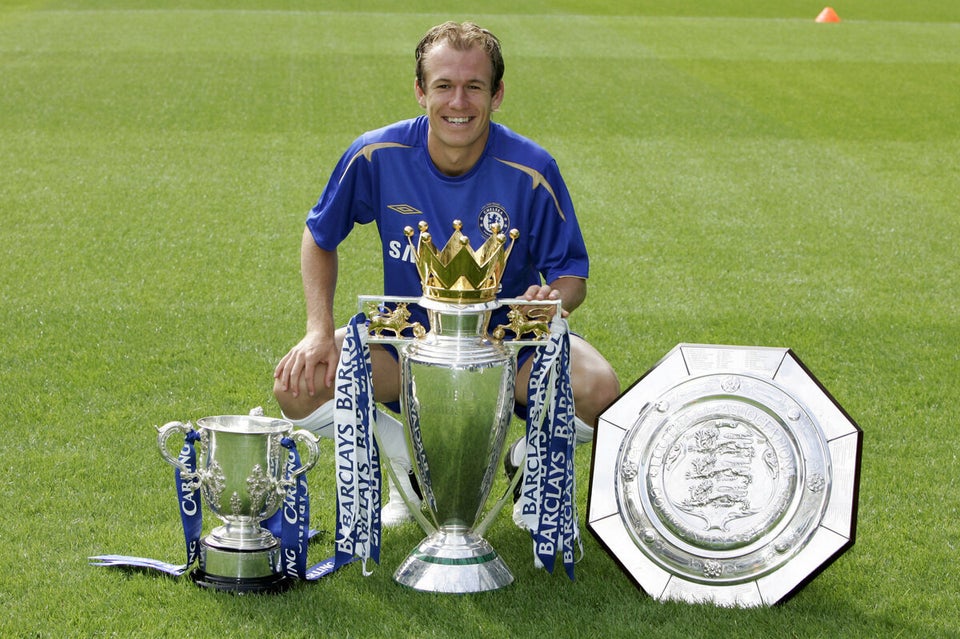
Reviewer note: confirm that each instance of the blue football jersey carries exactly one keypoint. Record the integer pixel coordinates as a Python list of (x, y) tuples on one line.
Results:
[(387, 177)]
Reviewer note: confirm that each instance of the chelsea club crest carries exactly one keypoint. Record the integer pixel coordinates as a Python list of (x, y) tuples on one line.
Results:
[(492, 215)]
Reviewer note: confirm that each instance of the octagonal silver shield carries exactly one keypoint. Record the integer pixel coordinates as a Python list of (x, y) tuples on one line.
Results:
[(725, 475)]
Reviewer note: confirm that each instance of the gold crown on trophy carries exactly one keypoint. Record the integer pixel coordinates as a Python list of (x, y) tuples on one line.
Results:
[(457, 273)]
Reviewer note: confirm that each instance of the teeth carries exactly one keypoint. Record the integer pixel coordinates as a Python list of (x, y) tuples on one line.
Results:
[(458, 120)]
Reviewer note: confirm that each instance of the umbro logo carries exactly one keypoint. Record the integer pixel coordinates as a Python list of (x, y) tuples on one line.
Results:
[(404, 209)]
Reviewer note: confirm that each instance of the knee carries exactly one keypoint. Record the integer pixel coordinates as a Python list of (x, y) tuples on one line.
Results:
[(280, 393), (298, 403), (606, 386), (285, 400), (597, 388)]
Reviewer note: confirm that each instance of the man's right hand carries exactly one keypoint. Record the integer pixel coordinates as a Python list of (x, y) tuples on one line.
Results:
[(297, 369)]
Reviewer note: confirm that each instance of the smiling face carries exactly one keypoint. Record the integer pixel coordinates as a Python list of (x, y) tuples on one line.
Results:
[(459, 97)]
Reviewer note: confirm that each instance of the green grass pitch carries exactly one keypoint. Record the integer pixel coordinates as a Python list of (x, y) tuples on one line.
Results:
[(743, 174)]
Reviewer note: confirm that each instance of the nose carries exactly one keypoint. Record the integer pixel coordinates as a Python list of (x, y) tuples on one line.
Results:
[(459, 97)]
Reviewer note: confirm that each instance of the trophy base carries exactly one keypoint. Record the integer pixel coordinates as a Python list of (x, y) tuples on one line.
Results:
[(240, 571), (241, 585), (454, 562)]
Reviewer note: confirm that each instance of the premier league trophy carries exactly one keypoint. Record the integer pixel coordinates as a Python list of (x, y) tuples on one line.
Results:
[(457, 393), (240, 474)]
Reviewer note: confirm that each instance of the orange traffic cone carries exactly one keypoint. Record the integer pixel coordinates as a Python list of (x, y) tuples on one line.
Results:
[(828, 15)]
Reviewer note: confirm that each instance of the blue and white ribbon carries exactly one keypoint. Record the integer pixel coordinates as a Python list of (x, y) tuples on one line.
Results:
[(547, 504), (191, 514), (357, 454), (294, 533), (293, 518)]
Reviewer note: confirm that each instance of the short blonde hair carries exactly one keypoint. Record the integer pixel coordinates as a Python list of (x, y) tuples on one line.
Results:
[(462, 37)]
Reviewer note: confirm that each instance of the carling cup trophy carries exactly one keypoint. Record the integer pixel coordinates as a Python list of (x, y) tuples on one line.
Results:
[(457, 393), (240, 474)]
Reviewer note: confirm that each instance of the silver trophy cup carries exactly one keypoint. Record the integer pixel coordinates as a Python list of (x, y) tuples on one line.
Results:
[(240, 473), (457, 393), (457, 397)]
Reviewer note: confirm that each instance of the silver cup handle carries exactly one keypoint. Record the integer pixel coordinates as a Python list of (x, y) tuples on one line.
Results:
[(305, 437), (163, 434)]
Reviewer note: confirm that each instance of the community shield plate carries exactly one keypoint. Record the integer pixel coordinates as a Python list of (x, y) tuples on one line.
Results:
[(725, 475)]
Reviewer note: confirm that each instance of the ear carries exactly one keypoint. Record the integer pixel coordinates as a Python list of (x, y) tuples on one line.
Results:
[(421, 96), (497, 97)]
